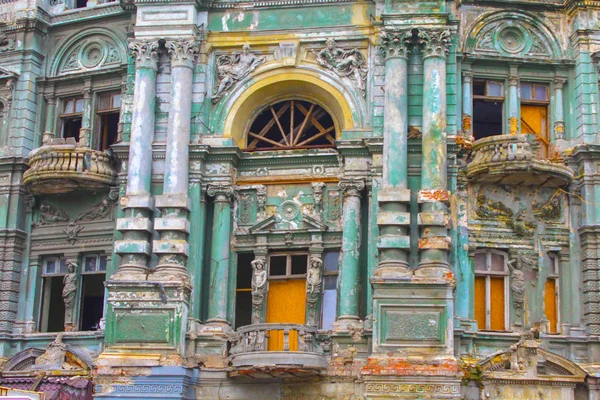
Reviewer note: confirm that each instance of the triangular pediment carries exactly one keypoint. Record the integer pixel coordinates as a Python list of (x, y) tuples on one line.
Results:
[(7, 73), (275, 223)]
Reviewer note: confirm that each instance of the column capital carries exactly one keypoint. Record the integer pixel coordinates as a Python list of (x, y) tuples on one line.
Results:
[(513, 80), (145, 53), (352, 187), (467, 76), (559, 82), (394, 42), (182, 52), (50, 98), (222, 192), (435, 42)]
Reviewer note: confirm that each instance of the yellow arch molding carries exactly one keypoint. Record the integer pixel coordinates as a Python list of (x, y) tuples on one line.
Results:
[(274, 86)]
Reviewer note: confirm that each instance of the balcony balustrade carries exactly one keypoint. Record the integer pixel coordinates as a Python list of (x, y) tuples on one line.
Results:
[(277, 351), (509, 160), (63, 166)]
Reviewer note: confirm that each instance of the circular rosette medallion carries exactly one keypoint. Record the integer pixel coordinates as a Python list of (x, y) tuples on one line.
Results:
[(289, 210), (92, 55), (511, 39)]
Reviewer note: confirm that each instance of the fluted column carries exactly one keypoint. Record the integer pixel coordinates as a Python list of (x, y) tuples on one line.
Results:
[(559, 107), (392, 217), (137, 204), (467, 104), (514, 125), (218, 297), (348, 285), (173, 248), (433, 196)]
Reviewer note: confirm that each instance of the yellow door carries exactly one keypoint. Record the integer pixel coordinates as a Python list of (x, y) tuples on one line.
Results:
[(286, 303), (534, 121), (550, 305)]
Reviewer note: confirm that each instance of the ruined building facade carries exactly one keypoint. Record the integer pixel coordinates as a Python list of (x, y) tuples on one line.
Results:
[(300, 199)]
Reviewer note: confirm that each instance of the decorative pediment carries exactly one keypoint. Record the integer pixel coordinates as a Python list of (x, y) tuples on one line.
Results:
[(526, 360), (24, 362), (90, 50), (276, 223), (512, 35), (7, 74)]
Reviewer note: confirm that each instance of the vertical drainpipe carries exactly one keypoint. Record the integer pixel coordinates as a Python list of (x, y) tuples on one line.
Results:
[(218, 296), (348, 279), (393, 199), (434, 243), (173, 247), (138, 204)]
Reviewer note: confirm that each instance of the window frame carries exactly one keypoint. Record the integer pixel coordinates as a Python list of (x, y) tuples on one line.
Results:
[(488, 273), (98, 256), (326, 274), (60, 260), (64, 116), (288, 267), (554, 274)]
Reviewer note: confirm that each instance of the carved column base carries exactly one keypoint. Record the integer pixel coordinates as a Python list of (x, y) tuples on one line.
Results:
[(347, 323)]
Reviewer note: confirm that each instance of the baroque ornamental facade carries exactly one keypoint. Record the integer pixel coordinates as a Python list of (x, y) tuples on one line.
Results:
[(300, 199)]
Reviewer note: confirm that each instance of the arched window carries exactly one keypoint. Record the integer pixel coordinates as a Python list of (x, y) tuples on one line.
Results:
[(291, 124)]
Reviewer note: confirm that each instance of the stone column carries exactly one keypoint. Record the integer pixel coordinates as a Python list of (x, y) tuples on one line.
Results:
[(392, 217), (467, 104), (173, 248), (218, 297), (349, 272), (50, 116), (433, 196), (137, 204), (86, 116), (559, 109), (514, 124)]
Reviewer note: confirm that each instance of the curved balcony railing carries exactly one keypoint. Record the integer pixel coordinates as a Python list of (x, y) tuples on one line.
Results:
[(509, 159), (276, 350), (62, 167)]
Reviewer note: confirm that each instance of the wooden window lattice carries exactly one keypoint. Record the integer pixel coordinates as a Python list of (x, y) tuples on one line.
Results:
[(291, 124)]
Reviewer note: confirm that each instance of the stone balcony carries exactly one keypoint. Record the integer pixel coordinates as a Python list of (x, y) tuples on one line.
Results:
[(510, 160), (63, 165), (292, 353)]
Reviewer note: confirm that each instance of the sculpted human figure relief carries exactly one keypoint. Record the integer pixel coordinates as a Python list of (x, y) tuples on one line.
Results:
[(49, 214), (233, 68), (259, 288), (314, 275), (68, 294), (345, 63)]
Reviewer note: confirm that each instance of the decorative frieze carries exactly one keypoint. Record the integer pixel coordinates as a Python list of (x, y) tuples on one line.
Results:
[(232, 68), (351, 63)]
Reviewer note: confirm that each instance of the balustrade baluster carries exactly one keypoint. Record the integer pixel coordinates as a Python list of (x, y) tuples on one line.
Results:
[(286, 339)]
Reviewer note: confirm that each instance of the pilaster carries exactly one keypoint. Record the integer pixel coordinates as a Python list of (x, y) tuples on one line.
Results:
[(514, 122)]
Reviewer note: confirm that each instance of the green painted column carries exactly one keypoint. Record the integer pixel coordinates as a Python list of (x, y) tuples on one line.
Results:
[(434, 243), (137, 204), (218, 297), (393, 219), (559, 109), (173, 248), (514, 122), (85, 132), (348, 278), (50, 118), (467, 103), (197, 228)]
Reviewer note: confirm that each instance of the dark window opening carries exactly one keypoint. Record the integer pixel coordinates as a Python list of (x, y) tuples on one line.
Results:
[(278, 266), (53, 306), (108, 108), (92, 301), (80, 3), (71, 117), (299, 264), (488, 105), (243, 293), (291, 124)]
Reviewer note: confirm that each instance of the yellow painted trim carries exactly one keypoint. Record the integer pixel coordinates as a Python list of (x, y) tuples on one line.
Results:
[(283, 84)]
